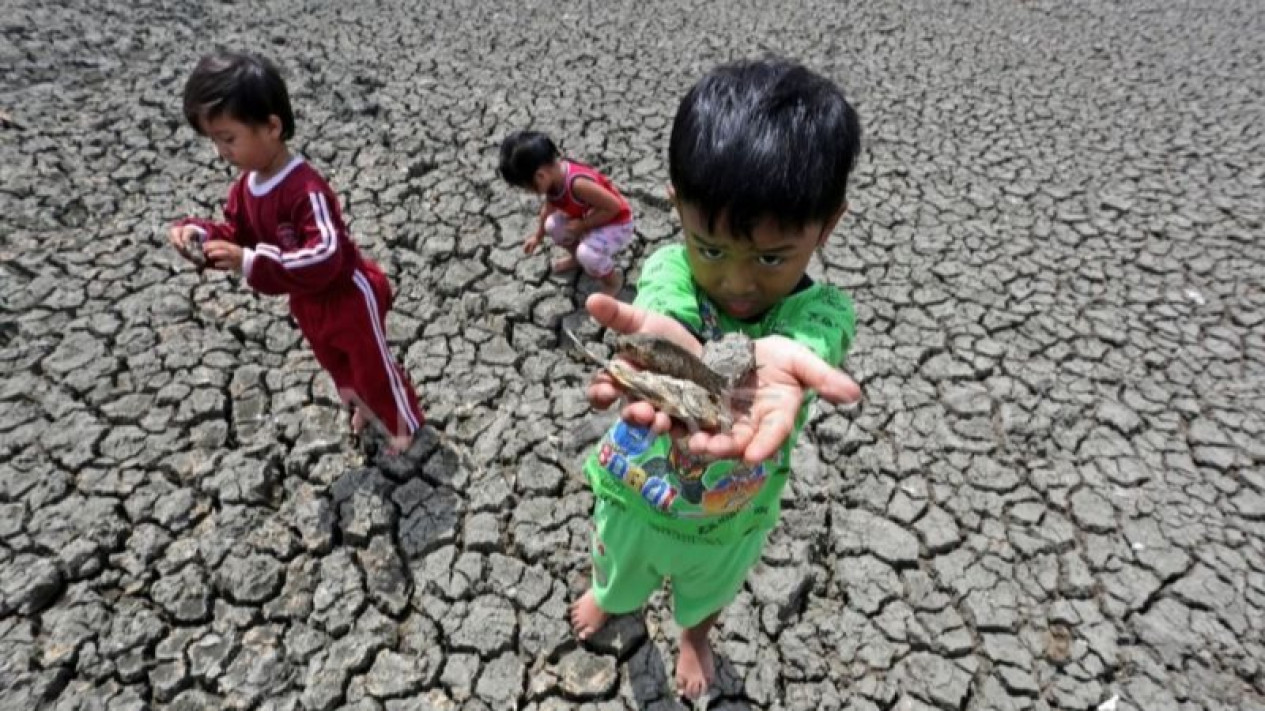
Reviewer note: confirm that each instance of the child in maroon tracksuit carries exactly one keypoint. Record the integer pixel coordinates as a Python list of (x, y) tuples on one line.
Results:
[(284, 232)]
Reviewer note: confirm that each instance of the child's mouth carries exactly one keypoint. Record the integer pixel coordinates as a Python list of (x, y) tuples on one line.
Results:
[(741, 308)]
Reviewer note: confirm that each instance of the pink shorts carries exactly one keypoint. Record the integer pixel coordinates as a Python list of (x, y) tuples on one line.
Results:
[(596, 249)]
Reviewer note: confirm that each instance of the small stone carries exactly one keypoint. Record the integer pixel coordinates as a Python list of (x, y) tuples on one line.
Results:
[(994, 609), (1007, 649), (259, 670), (80, 559), (249, 579), (328, 672), (294, 602), (66, 627), (28, 584), (395, 675), (169, 679), (340, 595), (934, 679), (303, 642), (209, 655), (1249, 504), (501, 683), (460, 671), (587, 676), (483, 533), (1202, 588), (903, 508), (385, 578), (1128, 588), (243, 478), (364, 515), (1219, 458), (430, 520), (1093, 512), (859, 531), (1124, 420), (1204, 431), (194, 700), (184, 594), (868, 583), (1077, 579), (938, 529), (313, 517), (783, 586), (988, 475), (488, 627)]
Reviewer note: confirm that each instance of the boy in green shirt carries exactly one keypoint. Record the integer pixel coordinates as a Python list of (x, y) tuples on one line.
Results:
[(759, 159)]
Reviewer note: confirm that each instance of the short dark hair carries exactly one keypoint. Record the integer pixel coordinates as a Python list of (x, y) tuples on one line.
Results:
[(522, 154), (245, 87), (763, 139)]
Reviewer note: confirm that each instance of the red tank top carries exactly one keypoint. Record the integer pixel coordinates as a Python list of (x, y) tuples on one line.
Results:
[(575, 208)]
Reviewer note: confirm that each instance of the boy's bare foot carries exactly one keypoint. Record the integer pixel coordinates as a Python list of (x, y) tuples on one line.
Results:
[(695, 667), (612, 283), (358, 420), (399, 444), (586, 617), (561, 265)]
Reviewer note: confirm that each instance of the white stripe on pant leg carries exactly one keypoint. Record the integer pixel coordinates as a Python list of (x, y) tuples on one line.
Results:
[(393, 376)]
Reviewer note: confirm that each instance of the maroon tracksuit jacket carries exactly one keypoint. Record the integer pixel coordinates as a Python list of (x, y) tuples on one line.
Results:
[(294, 242)]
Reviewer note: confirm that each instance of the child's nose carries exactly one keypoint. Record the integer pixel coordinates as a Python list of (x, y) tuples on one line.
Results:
[(739, 281)]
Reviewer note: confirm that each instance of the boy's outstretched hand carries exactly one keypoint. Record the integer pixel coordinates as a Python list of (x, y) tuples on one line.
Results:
[(786, 370)]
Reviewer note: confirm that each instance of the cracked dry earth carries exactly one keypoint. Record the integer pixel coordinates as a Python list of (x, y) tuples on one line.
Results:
[(1052, 497)]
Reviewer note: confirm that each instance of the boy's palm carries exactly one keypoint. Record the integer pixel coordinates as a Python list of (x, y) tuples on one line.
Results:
[(787, 369)]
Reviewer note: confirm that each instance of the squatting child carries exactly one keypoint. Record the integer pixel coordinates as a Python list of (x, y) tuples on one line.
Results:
[(583, 212), (283, 231), (759, 160)]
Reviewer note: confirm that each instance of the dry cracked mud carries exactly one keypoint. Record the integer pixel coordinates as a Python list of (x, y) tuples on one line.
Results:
[(1053, 496)]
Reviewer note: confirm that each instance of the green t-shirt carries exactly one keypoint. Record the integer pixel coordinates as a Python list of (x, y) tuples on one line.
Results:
[(712, 501)]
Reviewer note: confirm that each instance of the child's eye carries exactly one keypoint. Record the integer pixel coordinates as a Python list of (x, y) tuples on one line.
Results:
[(711, 254), (771, 260)]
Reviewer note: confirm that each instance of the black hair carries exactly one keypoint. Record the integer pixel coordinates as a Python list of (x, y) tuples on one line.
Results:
[(245, 87), (522, 154), (763, 139)]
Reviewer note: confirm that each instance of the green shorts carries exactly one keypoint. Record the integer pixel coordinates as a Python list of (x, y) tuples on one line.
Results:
[(631, 559)]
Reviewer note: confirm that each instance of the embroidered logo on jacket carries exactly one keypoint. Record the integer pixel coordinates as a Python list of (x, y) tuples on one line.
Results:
[(286, 236)]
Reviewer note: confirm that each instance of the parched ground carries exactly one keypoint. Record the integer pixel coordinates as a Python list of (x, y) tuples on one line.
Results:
[(1052, 497)]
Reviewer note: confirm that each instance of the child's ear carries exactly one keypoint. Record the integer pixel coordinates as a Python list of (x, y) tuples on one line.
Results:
[(274, 126), (830, 225), (676, 203)]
